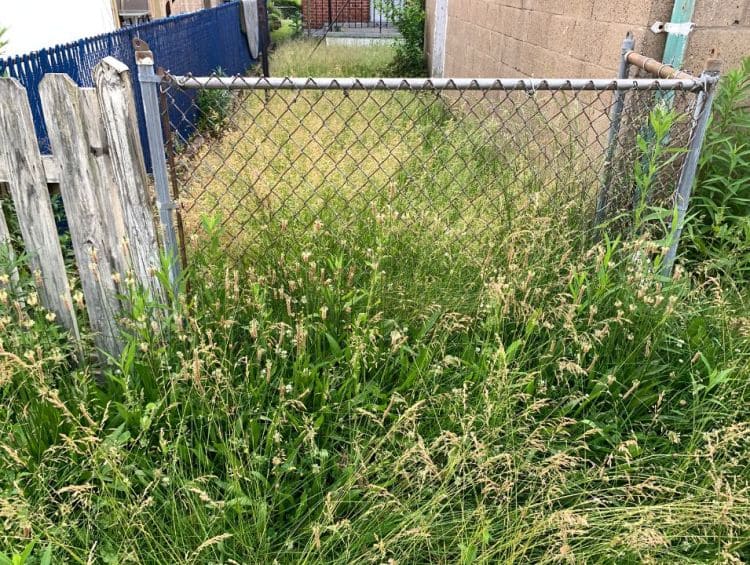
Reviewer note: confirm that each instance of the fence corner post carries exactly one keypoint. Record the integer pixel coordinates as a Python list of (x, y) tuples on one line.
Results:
[(602, 201), (149, 82), (701, 117)]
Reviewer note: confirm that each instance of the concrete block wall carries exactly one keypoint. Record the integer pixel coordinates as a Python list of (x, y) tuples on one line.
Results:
[(577, 38), (315, 12), (723, 24)]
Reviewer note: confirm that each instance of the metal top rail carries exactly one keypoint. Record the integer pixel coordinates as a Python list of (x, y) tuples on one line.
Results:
[(289, 83)]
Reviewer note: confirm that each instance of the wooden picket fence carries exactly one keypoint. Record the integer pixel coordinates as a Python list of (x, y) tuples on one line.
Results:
[(97, 161)]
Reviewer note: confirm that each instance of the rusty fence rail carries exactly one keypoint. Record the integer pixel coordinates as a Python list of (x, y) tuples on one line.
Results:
[(463, 161)]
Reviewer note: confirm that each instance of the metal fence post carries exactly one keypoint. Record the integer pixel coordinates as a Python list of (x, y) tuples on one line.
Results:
[(149, 82), (701, 117), (602, 202), (264, 36)]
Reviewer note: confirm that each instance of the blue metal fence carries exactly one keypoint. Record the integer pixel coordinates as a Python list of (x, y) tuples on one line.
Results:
[(198, 43)]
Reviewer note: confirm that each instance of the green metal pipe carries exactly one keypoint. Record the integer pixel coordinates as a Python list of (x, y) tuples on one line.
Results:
[(674, 50)]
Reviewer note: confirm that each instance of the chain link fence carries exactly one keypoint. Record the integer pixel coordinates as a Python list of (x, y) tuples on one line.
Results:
[(455, 163)]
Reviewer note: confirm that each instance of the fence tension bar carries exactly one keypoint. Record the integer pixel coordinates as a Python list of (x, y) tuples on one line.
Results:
[(149, 82), (701, 117), (602, 202)]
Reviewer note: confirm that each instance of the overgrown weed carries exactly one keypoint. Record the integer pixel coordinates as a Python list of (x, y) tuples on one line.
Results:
[(362, 393)]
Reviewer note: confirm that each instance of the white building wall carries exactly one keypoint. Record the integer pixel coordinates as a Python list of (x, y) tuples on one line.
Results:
[(34, 24)]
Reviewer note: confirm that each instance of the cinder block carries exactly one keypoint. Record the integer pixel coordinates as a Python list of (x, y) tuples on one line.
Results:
[(538, 28), (592, 70), (503, 25), (536, 61), (661, 11), (733, 44), (486, 65), (548, 6), (567, 67), (482, 39), (494, 17), (577, 8), (561, 28), (497, 49), (512, 53), (724, 13), (587, 40), (578, 42), (623, 11), (610, 46), (477, 12), (458, 9), (517, 23)]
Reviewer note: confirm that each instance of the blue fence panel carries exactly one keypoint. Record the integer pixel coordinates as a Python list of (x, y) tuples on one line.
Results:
[(197, 43)]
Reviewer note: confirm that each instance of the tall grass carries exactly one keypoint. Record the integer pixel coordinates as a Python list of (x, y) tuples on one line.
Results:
[(361, 393), (311, 58)]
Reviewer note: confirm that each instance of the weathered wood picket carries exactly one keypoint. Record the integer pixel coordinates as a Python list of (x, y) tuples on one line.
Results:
[(98, 163)]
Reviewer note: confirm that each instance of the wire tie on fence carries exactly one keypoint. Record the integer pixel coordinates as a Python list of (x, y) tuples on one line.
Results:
[(530, 92)]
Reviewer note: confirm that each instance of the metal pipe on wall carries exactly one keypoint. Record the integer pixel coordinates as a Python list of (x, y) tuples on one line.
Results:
[(678, 30), (657, 68)]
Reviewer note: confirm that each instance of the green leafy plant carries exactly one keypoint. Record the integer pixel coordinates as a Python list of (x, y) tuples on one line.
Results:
[(213, 108), (275, 16), (297, 4), (654, 156), (23, 558), (297, 22), (718, 231), (409, 19)]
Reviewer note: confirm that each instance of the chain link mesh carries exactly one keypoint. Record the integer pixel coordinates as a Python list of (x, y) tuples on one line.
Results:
[(458, 164)]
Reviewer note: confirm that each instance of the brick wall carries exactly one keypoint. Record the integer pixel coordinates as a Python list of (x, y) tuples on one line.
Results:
[(578, 38), (315, 12)]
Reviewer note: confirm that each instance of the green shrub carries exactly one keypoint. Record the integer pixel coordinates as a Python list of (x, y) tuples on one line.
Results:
[(213, 108), (718, 231), (409, 18), (275, 16), (289, 3)]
